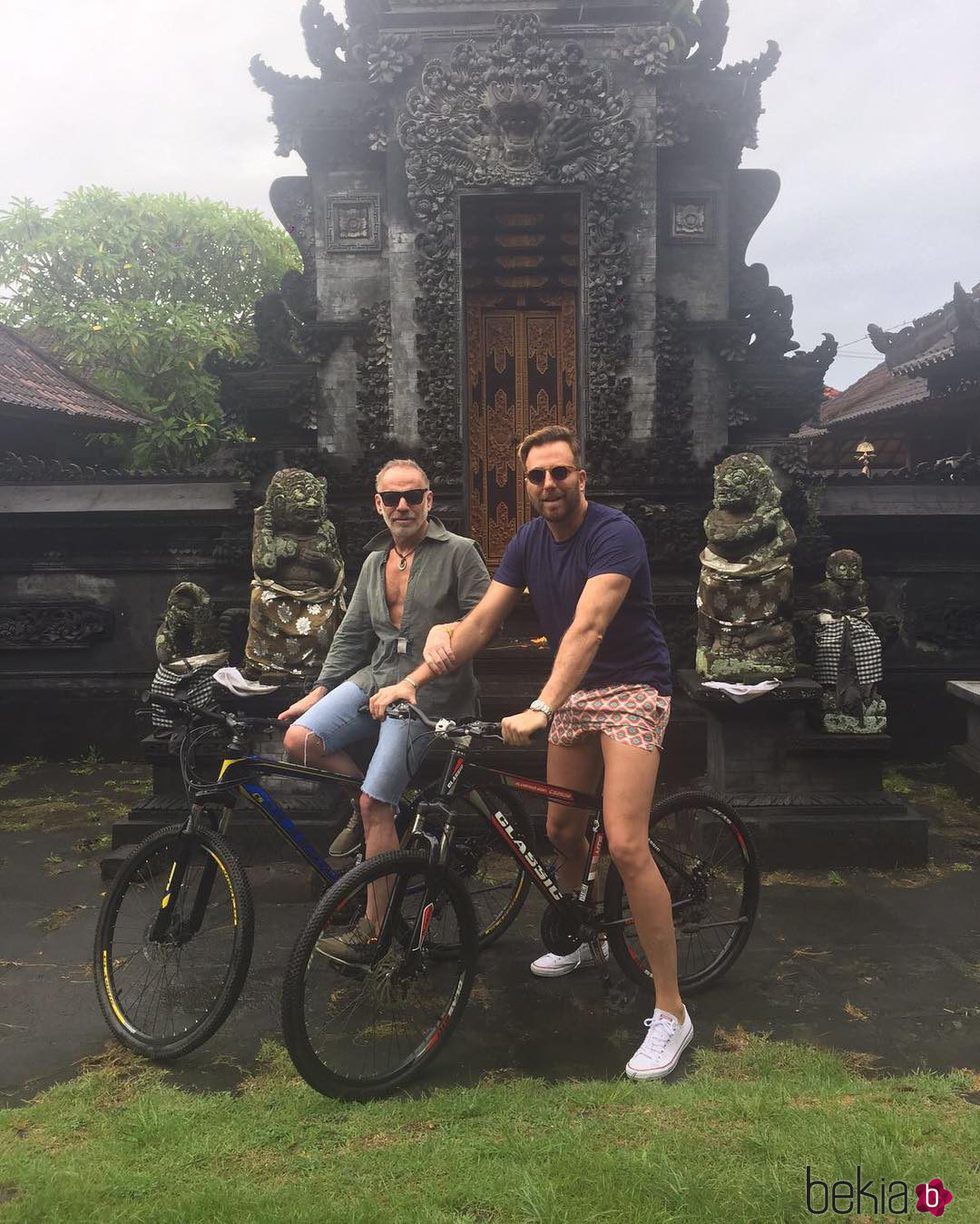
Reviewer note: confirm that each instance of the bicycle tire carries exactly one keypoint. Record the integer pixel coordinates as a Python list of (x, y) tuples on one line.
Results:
[(335, 1044), (708, 861), (166, 1012), (496, 883)]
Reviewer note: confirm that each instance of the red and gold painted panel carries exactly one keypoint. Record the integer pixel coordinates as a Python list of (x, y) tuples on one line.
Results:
[(521, 375)]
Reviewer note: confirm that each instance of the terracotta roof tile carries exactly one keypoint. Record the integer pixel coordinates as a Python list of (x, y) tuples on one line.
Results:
[(29, 379), (877, 391)]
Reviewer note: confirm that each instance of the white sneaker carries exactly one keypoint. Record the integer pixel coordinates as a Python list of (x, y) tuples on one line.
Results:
[(551, 965), (665, 1042)]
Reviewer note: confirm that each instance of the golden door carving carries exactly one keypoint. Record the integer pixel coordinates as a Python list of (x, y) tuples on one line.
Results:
[(521, 376)]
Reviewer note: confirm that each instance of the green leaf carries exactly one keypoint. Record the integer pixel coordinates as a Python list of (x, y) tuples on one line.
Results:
[(133, 292)]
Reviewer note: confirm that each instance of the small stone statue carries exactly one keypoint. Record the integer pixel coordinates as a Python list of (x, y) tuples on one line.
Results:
[(297, 592), (744, 629), (848, 650), (189, 626)]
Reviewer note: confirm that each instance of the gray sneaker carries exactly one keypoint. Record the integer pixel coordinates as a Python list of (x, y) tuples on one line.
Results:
[(350, 839), (355, 947)]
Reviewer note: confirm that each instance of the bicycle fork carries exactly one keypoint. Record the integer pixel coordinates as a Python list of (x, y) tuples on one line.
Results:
[(166, 921)]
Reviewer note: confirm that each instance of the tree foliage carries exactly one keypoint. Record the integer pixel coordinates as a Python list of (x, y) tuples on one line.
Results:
[(133, 291)]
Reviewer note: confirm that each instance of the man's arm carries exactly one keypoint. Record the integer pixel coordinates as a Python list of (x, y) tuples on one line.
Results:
[(601, 598), (472, 581), (470, 636)]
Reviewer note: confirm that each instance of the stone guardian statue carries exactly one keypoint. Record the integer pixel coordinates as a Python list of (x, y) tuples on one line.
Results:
[(189, 626), (848, 650), (296, 599), (745, 633)]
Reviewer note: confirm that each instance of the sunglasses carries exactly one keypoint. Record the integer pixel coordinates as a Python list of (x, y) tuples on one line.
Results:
[(537, 475), (412, 496)]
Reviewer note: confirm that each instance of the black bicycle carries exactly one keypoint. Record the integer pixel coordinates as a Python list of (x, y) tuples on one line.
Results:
[(174, 936), (364, 1015)]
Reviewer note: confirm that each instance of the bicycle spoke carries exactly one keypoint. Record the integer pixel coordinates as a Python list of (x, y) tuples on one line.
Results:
[(359, 1014), (712, 884)]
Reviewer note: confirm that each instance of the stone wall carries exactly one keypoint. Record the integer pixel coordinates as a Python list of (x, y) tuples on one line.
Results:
[(84, 577)]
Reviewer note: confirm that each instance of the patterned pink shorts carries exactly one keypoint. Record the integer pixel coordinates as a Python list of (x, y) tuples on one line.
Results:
[(629, 713)]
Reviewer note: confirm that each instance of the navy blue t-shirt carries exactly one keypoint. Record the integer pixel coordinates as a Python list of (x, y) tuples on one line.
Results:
[(633, 650)]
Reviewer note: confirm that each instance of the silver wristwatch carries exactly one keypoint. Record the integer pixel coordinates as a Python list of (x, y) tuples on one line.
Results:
[(542, 707)]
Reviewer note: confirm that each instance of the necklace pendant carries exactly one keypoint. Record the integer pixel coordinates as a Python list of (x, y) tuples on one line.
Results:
[(401, 563)]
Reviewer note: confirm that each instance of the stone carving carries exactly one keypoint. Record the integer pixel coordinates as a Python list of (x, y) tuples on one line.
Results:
[(52, 625), (292, 200), (652, 49), (374, 418), (354, 222), (297, 591), (848, 650), (523, 111), (744, 629), (15, 467), (189, 625)]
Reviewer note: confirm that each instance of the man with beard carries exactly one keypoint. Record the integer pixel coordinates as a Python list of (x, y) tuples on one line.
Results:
[(606, 702), (416, 573)]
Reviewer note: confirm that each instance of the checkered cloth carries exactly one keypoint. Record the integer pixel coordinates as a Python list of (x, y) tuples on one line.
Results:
[(833, 640)]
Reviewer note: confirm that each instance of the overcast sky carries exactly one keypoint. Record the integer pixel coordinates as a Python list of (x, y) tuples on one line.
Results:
[(871, 122)]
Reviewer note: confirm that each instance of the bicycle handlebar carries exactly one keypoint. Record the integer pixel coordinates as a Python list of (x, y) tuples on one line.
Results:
[(447, 727), (231, 722)]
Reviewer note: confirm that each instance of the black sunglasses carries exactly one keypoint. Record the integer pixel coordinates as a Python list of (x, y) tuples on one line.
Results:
[(412, 496), (558, 474)]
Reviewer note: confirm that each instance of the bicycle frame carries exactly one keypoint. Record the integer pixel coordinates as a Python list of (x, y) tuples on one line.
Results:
[(240, 775), (537, 872)]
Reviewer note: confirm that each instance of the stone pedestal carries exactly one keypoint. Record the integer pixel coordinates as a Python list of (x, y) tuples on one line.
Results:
[(964, 759), (811, 799)]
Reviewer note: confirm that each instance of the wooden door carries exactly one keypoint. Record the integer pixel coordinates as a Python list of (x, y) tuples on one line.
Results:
[(520, 366)]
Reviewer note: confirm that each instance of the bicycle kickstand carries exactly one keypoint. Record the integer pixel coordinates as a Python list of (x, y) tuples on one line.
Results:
[(618, 996)]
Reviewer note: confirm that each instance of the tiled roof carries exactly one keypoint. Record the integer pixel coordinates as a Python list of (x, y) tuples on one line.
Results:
[(929, 340), (29, 379), (878, 391), (931, 356)]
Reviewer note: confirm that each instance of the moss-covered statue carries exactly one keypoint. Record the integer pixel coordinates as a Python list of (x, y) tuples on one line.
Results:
[(297, 592), (744, 629), (189, 626), (848, 650)]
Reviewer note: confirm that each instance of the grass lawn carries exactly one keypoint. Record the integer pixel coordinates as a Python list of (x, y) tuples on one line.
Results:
[(729, 1142)]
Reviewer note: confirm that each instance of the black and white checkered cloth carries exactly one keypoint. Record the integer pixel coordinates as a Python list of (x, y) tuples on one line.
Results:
[(864, 642)]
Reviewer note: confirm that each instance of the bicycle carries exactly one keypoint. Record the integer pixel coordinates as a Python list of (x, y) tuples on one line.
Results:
[(174, 937), (360, 1024)]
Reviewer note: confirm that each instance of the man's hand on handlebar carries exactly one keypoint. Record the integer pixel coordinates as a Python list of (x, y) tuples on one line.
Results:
[(520, 729), (298, 708), (382, 699)]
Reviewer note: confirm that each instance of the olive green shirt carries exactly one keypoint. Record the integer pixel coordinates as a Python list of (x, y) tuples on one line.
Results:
[(447, 579)]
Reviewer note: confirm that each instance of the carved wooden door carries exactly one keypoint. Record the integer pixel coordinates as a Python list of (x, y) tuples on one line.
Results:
[(520, 376)]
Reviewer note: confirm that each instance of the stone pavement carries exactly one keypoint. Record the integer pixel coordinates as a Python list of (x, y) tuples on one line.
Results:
[(881, 964)]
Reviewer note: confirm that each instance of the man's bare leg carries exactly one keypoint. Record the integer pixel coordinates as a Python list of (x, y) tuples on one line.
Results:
[(379, 835), (630, 779), (306, 748), (577, 768)]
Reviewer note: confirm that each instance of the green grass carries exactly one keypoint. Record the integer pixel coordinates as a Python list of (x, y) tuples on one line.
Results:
[(730, 1142)]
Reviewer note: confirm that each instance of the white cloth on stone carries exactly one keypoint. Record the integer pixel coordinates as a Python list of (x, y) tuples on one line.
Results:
[(741, 692)]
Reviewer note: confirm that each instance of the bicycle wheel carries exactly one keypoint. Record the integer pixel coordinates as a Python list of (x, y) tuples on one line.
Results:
[(708, 862), (362, 1020), (164, 992), (497, 886)]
